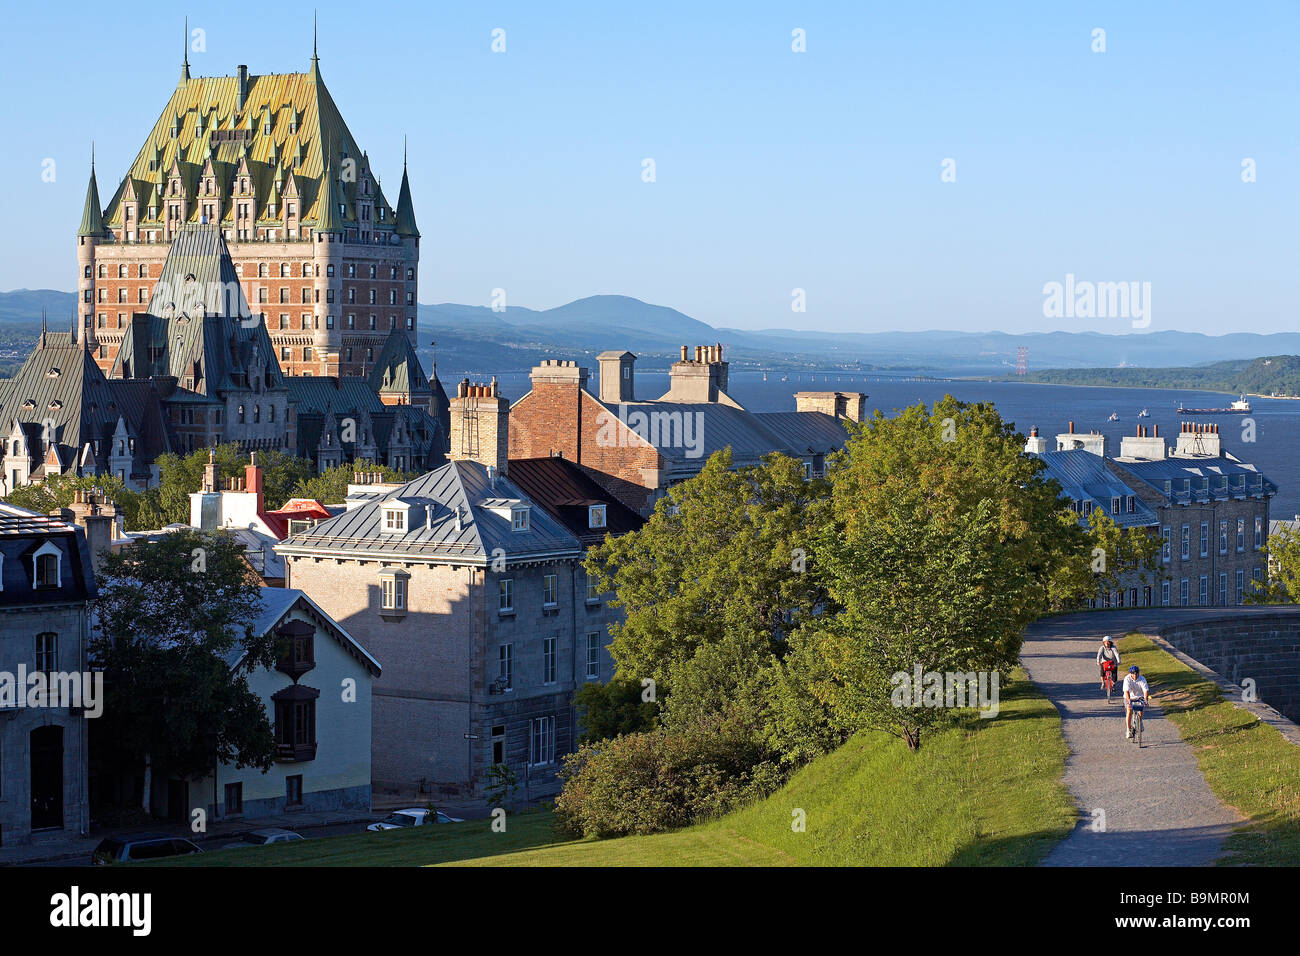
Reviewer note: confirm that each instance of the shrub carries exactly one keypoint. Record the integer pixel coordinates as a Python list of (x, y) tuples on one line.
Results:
[(658, 780)]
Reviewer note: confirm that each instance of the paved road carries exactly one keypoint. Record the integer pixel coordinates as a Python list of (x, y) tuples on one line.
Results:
[(1156, 794)]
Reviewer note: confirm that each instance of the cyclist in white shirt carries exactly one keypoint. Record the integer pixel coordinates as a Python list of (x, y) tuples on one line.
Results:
[(1135, 688)]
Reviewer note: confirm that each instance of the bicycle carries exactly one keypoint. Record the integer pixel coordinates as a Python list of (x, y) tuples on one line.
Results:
[(1108, 681), (1137, 704)]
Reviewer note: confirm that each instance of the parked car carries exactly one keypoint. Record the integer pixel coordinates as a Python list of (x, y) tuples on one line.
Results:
[(263, 838), (411, 818), (130, 849)]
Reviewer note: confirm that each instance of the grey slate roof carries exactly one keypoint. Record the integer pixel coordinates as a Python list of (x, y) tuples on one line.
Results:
[(1205, 475), (195, 321), (687, 433), (1084, 476), (60, 382), (432, 532)]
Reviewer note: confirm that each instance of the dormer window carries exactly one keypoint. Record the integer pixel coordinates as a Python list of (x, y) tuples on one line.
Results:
[(47, 567), (519, 519), (394, 519), (596, 516)]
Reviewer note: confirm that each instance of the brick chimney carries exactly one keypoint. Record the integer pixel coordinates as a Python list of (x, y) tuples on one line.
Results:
[(480, 425), (253, 479)]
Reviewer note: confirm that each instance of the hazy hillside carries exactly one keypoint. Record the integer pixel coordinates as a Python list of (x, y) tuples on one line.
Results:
[(1269, 375), (474, 337)]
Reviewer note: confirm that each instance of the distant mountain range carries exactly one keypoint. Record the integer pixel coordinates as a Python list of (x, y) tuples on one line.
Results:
[(479, 340)]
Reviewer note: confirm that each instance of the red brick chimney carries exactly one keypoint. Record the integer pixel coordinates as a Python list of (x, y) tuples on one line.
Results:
[(253, 479)]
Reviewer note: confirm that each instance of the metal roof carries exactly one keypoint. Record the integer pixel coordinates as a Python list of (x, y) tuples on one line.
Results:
[(564, 489), (462, 487), (687, 433), (1205, 476), (1084, 476)]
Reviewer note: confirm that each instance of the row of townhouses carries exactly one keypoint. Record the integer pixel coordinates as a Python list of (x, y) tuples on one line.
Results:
[(1209, 509)]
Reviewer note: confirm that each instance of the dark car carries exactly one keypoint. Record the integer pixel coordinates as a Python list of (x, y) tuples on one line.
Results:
[(130, 849)]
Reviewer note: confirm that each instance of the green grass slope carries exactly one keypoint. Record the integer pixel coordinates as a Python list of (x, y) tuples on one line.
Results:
[(981, 792)]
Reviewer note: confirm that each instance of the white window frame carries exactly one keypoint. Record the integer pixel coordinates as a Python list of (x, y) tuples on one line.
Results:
[(551, 590), (596, 516), (541, 741), (392, 589), (506, 591), (394, 520), (519, 519), (506, 664), (550, 659), (592, 670), (47, 548)]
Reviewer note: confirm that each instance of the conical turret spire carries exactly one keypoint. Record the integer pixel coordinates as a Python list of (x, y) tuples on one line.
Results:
[(92, 216), (185, 57), (329, 219), (405, 208)]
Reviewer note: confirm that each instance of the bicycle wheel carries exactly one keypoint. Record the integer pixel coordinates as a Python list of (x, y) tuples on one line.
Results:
[(1110, 689), (1137, 727)]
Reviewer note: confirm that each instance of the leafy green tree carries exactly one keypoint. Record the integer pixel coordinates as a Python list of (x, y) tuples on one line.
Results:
[(170, 614), (725, 552), (945, 545), (331, 485), (57, 491), (182, 475), (610, 710), (1283, 583), (1117, 554), (499, 785)]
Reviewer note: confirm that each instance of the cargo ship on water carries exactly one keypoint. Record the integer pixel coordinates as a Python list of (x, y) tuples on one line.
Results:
[(1239, 407)]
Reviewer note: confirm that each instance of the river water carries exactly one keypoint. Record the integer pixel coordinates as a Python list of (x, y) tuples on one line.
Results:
[(1275, 450)]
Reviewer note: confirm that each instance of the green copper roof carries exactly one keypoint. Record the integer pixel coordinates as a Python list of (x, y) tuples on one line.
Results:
[(406, 209), (398, 369), (92, 217), (328, 218)]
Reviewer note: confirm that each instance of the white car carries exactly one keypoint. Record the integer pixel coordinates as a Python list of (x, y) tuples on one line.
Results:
[(263, 838), (411, 818)]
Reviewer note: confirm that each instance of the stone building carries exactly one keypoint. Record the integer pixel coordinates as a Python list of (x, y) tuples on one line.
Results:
[(198, 343), (1213, 510), (46, 582), (330, 265), (637, 448), (1209, 508), (60, 415), (475, 599)]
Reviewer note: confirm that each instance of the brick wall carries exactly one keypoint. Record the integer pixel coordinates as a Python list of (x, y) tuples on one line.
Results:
[(566, 419)]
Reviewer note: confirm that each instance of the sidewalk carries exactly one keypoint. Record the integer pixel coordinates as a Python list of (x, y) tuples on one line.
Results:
[(76, 850)]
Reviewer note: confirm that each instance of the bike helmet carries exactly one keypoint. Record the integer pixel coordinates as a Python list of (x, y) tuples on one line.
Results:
[(1107, 640), (1133, 669)]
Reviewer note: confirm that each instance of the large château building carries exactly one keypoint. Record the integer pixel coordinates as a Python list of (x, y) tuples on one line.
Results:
[(322, 256)]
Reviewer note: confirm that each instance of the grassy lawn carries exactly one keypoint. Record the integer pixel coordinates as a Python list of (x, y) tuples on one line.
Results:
[(983, 792), (1247, 763)]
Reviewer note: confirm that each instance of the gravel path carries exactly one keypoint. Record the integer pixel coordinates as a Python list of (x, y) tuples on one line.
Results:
[(1155, 794)]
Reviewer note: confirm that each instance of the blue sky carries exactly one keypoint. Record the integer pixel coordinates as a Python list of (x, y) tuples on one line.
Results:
[(775, 170)]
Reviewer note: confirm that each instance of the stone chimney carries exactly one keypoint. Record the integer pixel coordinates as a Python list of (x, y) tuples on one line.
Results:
[(97, 516), (480, 425), (850, 405), (700, 379), (241, 93), (1198, 440), (1035, 445), (253, 479), (1143, 446), (616, 376)]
